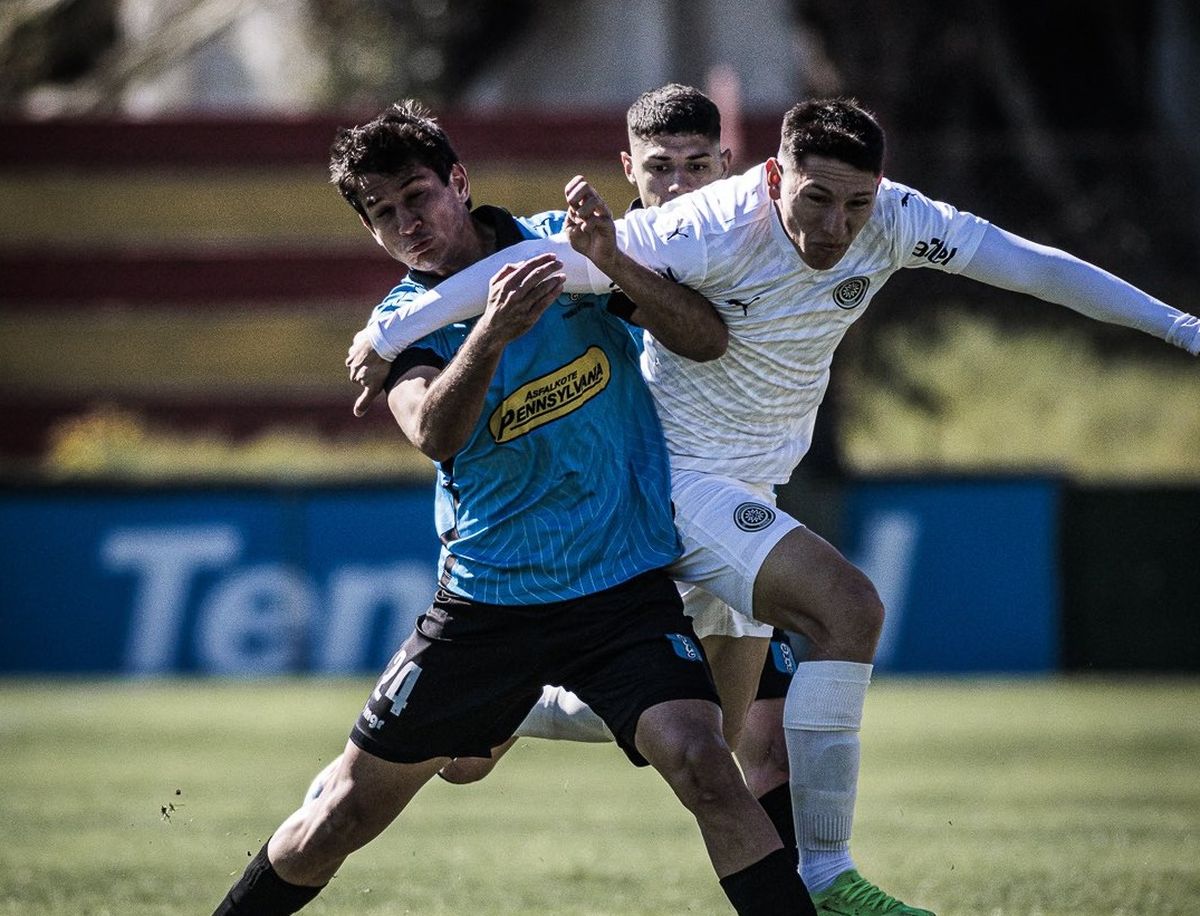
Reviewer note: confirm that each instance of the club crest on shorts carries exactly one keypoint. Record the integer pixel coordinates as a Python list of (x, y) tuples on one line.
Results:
[(849, 293), (753, 516)]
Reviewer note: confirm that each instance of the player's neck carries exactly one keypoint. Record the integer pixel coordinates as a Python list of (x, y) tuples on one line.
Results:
[(476, 242)]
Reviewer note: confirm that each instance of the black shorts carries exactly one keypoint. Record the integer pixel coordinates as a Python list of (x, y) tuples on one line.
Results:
[(778, 669), (470, 672)]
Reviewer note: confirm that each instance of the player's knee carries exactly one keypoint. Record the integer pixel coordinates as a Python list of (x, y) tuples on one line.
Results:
[(853, 618), (700, 770)]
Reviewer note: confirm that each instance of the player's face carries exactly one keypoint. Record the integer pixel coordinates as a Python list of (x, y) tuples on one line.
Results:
[(823, 204), (667, 165), (420, 220)]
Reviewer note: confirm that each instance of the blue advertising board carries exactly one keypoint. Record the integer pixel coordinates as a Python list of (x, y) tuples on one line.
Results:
[(967, 570), (257, 582), (222, 582)]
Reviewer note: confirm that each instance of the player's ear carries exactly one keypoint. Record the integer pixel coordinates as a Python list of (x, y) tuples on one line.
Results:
[(460, 182), (726, 162), (774, 178), (627, 165)]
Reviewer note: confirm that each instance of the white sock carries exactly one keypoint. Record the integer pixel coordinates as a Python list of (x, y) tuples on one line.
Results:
[(821, 719), (561, 715)]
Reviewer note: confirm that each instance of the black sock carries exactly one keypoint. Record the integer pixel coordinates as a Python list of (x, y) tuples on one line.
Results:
[(261, 892), (778, 805), (769, 887)]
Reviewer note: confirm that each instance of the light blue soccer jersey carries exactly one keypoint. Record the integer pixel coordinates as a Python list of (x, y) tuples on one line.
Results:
[(563, 488)]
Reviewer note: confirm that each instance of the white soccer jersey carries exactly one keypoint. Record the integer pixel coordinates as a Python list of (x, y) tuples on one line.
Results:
[(750, 414)]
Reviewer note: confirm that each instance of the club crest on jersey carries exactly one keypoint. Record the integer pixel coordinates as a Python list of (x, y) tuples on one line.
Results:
[(753, 516), (849, 293), (552, 396)]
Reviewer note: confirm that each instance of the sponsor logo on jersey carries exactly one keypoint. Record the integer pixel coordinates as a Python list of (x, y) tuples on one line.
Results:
[(552, 396), (753, 516), (850, 293), (684, 646), (904, 199), (935, 251)]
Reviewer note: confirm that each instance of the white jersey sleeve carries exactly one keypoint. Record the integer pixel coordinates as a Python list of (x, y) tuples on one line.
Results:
[(1011, 262), (464, 295), (925, 232), (670, 240)]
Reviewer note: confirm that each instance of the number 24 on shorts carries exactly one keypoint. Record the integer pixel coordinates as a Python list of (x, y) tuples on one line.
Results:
[(400, 678)]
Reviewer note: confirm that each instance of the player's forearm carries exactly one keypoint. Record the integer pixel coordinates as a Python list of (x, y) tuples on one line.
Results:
[(1010, 262), (450, 409), (680, 318), (464, 295)]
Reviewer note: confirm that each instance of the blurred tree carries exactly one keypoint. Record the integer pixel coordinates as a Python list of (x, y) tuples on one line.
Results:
[(52, 41), (425, 48), (88, 56), (1047, 117)]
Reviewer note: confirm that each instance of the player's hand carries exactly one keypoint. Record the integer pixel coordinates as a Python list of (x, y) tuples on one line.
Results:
[(519, 293), (368, 369), (589, 225)]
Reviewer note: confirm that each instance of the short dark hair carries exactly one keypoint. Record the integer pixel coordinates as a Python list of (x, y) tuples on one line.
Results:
[(838, 128), (402, 135), (674, 109)]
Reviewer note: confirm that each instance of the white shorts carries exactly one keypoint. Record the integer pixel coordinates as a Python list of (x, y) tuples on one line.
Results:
[(728, 527)]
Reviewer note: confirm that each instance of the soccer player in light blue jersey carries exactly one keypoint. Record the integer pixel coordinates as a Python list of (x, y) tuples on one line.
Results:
[(555, 519)]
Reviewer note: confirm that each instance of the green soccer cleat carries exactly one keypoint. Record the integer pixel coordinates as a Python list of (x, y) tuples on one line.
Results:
[(853, 895)]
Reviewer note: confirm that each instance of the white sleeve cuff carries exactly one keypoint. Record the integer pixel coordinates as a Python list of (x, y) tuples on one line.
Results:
[(1185, 333), (379, 343)]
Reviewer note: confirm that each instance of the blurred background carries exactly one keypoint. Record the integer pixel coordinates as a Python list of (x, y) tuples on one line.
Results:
[(184, 486)]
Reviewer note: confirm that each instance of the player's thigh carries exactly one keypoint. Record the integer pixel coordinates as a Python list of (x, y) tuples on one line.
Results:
[(458, 686), (728, 529), (638, 651), (806, 586), (736, 663)]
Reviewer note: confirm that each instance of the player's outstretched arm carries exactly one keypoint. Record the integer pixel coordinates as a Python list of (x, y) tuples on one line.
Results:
[(681, 319), (438, 410), (457, 298), (1011, 262), (464, 295)]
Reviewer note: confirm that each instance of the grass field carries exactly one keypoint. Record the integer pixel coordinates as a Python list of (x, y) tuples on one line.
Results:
[(1042, 797)]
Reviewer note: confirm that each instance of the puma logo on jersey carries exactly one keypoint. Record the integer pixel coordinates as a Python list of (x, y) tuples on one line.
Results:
[(743, 304), (904, 199), (677, 232), (935, 251)]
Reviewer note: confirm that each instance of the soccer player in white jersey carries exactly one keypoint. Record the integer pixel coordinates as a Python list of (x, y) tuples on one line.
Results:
[(791, 253)]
